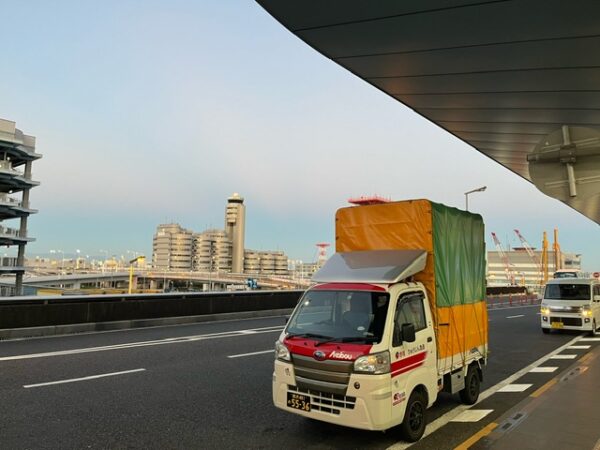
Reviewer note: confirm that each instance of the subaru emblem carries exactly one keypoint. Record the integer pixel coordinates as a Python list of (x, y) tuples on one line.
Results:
[(319, 355)]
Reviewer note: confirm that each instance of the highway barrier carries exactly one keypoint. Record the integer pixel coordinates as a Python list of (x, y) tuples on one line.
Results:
[(81, 309)]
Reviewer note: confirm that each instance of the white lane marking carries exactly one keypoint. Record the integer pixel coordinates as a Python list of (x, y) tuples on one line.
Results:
[(444, 419), (179, 340), (472, 415), (514, 317), (515, 388), (563, 356), (590, 339), (91, 377), (578, 347), (543, 369), (262, 352)]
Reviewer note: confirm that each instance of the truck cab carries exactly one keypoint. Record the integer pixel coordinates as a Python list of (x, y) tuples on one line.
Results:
[(571, 304), (360, 348)]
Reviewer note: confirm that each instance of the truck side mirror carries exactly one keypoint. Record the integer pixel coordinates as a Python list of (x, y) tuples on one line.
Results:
[(408, 332)]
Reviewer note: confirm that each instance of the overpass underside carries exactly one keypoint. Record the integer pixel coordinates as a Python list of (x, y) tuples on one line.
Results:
[(518, 81)]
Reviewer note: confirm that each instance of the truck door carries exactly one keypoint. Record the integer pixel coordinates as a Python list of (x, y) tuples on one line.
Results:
[(407, 357)]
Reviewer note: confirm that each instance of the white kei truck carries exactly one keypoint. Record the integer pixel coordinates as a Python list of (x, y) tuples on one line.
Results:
[(396, 316), (571, 304)]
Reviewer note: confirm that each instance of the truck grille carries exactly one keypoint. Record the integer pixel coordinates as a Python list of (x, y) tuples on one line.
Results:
[(325, 402), (322, 376), (566, 309), (567, 321)]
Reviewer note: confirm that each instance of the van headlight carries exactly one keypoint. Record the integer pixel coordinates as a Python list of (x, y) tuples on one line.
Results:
[(586, 311), (544, 310), (375, 363), (281, 352)]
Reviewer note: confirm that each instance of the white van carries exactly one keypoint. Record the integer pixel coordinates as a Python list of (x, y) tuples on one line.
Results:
[(571, 304)]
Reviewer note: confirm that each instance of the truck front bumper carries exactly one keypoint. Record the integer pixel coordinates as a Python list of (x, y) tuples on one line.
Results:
[(367, 404), (565, 321)]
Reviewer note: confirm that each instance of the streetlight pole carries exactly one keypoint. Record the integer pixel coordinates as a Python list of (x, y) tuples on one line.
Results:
[(481, 189)]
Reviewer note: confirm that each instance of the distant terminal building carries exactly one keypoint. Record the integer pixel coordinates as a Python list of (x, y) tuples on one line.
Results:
[(17, 153), (175, 248), (213, 250), (172, 248), (525, 270), (265, 263)]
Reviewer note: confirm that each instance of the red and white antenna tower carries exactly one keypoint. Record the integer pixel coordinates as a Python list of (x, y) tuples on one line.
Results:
[(322, 253)]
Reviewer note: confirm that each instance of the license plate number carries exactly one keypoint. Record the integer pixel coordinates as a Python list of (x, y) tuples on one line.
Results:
[(557, 325), (298, 401)]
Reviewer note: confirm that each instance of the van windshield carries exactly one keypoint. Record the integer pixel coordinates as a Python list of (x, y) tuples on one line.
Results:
[(568, 291), (351, 316)]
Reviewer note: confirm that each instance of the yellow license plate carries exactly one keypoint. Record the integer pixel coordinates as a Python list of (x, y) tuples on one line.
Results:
[(557, 325), (298, 401)]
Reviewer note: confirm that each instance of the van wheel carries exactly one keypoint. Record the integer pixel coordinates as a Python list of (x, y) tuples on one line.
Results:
[(470, 393), (593, 332), (546, 330), (415, 419)]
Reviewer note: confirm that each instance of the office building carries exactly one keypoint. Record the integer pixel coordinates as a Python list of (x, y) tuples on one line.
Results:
[(172, 248), (212, 251), (17, 153)]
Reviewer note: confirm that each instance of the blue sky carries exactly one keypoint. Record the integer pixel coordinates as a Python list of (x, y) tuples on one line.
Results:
[(151, 111)]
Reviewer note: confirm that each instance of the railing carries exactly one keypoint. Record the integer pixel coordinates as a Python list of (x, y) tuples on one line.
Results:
[(8, 261), (5, 231), (5, 199)]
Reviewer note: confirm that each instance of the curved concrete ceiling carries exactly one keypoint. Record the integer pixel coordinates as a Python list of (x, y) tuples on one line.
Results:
[(510, 78)]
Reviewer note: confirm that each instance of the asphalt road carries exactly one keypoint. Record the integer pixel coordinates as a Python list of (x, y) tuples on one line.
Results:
[(178, 387)]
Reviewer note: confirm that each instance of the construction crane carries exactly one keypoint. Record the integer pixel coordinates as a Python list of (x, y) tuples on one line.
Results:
[(510, 275), (531, 254)]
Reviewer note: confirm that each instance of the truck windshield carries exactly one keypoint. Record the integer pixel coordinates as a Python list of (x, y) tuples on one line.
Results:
[(567, 291), (351, 316)]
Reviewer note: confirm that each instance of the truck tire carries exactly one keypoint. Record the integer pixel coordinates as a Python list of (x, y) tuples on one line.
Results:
[(415, 417), (470, 393), (545, 330)]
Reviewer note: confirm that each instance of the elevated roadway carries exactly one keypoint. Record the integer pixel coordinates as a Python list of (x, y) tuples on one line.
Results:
[(209, 386)]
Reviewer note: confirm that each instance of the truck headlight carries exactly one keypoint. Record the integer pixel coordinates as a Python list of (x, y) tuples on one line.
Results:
[(374, 364), (281, 352), (545, 310), (586, 311)]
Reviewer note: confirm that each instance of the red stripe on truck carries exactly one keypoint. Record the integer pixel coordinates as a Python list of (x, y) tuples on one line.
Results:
[(408, 364)]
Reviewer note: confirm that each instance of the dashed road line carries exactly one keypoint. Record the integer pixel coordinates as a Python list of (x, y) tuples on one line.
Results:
[(563, 357), (515, 388), (515, 317), (543, 369), (241, 355), (91, 377), (472, 415)]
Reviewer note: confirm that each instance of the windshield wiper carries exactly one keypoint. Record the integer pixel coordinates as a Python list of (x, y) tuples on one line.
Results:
[(349, 339), (309, 335)]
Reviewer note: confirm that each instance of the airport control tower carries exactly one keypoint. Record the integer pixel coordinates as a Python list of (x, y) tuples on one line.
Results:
[(235, 228)]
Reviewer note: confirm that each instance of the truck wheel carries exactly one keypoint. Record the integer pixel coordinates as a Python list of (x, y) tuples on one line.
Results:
[(470, 393), (593, 332), (545, 330), (415, 419)]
